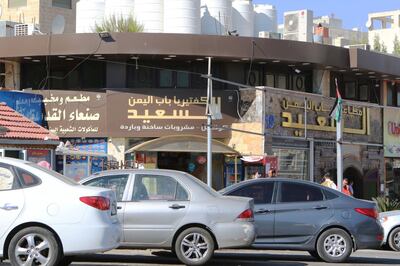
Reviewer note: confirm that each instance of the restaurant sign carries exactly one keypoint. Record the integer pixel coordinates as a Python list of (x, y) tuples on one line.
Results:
[(75, 113), (391, 132), (308, 116), (156, 113)]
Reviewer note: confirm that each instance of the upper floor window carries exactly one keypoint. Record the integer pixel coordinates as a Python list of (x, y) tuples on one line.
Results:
[(62, 3), (16, 3)]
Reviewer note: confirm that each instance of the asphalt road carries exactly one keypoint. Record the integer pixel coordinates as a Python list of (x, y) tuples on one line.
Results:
[(233, 257)]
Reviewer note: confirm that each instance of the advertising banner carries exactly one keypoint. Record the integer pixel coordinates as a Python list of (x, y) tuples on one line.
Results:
[(27, 104), (391, 132), (160, 112)]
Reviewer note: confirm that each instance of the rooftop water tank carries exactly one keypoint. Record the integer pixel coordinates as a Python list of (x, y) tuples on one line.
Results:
[(119, 8), (243, 17), (265, 19), (216, 17), (88, 13), (150, 13), (182, 16)]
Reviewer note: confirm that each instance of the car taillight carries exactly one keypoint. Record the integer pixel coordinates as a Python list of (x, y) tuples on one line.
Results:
[(246, 215), (97, 202), (371, 212)]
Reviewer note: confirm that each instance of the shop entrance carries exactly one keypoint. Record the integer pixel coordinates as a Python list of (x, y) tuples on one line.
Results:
[(192, 163), (355, 177)]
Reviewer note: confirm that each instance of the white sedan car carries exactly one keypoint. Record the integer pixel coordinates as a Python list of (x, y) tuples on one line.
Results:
[(391, 226), (174, 210), (46, 217)]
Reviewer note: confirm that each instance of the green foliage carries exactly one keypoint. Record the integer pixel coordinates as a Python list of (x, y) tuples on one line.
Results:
[(384, 48), (396, 46), (385, 204), (377, 44), (119, 24)]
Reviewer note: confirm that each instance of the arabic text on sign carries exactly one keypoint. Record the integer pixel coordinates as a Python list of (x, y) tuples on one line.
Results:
[(162, 114)]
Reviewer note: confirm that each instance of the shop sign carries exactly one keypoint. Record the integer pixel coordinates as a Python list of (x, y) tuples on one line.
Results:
[(39, 156), (391, 132), (75, 113), (156, 113), (27, 104), (300, 114), (291, 118)]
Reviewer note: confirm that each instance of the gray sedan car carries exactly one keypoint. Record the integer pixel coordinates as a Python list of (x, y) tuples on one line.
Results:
[(300, 215), (391, 226), (174, 210)]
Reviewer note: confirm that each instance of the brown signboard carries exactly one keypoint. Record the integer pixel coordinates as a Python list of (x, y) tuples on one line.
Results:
[(75, 113), (158, 112), (303, 115)]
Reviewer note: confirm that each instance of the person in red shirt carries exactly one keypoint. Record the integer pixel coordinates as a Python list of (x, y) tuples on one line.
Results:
[(346, 187)]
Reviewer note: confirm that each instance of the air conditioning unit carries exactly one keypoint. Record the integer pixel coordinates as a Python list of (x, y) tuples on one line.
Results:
[(25, 29), (359, 46), (270, 35), (298, 25)]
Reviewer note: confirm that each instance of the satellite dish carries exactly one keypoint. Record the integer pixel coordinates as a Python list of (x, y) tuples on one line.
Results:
[(58, 25), (368, 24)]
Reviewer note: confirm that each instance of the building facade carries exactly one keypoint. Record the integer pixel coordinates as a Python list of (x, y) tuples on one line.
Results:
[(39, 13), (385, 27), (143, 95)]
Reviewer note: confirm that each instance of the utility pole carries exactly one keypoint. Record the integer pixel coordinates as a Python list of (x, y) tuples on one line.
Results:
[(209, 125)]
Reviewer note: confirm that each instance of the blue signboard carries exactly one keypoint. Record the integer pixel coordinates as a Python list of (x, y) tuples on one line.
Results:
[(27, 104)]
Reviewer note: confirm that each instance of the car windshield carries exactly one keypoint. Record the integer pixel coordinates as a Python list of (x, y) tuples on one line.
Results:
[(55, 174), (210, 190)]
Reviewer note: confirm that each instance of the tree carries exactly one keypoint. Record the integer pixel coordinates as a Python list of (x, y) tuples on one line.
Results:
[(384, 48), (396, 46), (377, 43), (119, 24)]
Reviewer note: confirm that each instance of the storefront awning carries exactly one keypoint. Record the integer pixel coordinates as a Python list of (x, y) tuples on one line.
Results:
[(183, 143), (70, 152)]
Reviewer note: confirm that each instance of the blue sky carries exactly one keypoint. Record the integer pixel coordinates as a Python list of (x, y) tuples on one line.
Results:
[(354, 13)]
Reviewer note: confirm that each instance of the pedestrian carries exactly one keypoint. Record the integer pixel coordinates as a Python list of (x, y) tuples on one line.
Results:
[(256, 175), (327, 181), (346, 187), (271, 173), (351, 187)]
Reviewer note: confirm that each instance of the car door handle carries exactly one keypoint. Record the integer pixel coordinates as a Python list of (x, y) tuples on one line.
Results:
[(320, 207), (9, 207), (176, 206), (119, 207), (260, 211)]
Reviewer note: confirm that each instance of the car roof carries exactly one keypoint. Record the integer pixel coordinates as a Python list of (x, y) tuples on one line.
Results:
[(269, 179), (12, 160)]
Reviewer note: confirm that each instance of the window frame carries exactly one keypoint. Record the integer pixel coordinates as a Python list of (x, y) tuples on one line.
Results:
[(135, 177), (113, 175), (55, 3), (25, 4), (265, 183), (16, 182), (279, 196), (22, 184)]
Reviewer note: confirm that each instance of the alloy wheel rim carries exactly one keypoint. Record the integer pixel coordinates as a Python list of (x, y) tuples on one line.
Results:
[(33, 249), (194, 246), (396, 240), (335, 245)]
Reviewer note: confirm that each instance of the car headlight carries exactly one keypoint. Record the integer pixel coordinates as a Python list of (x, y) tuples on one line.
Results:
[(383, 219)]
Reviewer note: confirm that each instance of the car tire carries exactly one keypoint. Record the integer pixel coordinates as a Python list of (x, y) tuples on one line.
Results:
[(394, 239), (334, 245), (40, 246), (194, 246), (314, 254)]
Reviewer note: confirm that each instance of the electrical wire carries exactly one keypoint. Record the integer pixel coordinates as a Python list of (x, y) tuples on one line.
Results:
[(73, 69)]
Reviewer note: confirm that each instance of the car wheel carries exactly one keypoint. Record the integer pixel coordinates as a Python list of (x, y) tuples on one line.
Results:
[(394, 239), (34, 246), (314, 254), (194, 246), (334, 245)]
